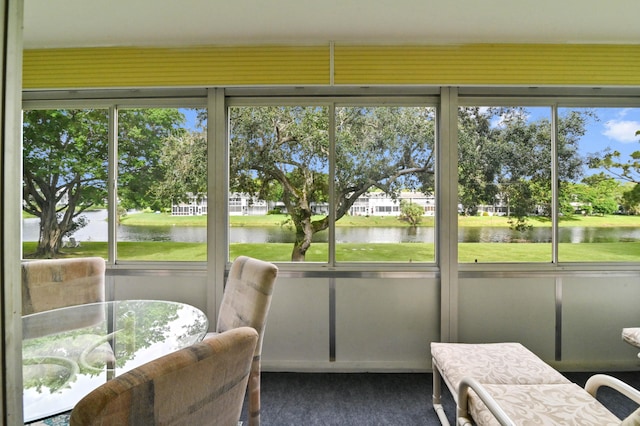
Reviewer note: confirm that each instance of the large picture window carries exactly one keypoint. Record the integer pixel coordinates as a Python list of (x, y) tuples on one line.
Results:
[(334, 180), (385, 183), (161, 175), (599, 205), (65, 156), (379, 206), (504, 169), (162, 184)]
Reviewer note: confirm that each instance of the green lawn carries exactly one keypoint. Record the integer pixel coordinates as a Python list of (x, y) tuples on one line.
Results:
[(359, 252), (165, 219), (407, 252), (591, 221)]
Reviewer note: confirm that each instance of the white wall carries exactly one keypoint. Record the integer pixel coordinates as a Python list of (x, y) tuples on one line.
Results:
[(297, 333), (594, 311), (386, 324), (178, 285), (509, 310)]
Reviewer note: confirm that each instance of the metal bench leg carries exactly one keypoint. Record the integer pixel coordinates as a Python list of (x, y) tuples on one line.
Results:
[(437, 393)]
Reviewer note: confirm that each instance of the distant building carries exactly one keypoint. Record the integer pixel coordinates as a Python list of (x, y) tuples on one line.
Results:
[(245, 205), (369, 204), (194, 207), (381, 204)]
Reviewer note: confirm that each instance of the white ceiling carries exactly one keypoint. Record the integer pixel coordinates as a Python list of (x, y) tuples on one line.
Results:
[(80, 23)]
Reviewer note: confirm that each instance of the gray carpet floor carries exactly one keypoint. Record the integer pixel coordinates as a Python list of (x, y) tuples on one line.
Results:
[(371, 399), (378, 399)]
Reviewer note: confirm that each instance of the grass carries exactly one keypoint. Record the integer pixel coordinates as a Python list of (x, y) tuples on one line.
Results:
[(162, 219), (360, 252), (392, 252), (588, 221), (148, 250), (165, 219)]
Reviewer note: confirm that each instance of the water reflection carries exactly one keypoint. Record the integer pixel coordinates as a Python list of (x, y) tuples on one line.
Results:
[(97, 230)]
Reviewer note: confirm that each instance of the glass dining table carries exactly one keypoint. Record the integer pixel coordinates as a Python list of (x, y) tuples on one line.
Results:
[(68, 352)]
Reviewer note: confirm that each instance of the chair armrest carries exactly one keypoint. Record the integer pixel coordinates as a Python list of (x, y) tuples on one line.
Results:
[(598, 380), (487, 399)]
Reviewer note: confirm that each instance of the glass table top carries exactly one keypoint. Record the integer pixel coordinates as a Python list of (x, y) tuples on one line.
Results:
[(68, 352)]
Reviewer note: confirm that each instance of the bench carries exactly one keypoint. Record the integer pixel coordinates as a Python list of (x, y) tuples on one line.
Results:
[(507, 384)]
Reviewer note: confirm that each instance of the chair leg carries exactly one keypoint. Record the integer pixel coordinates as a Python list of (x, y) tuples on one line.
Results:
[(254, 392)]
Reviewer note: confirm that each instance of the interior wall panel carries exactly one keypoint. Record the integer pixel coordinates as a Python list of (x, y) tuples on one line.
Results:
[(179, 286), (509, 310), (296, 337), (386, 324), (594, 311)]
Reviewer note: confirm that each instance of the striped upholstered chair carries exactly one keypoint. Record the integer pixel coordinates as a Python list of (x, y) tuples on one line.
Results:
[(58, 283), (245, 302), (631, 335), (203, 384)]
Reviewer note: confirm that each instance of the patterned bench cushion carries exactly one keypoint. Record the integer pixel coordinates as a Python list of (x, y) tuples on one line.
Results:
[(632, 420), (631, 336), (492, 363), (548, 404)]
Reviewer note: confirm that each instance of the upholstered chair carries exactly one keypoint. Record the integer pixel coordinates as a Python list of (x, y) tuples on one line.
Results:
[(245, 302), (631, 335), (203, 384), (57, 283)]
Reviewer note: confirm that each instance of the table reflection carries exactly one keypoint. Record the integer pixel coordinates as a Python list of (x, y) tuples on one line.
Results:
[(70, 351)]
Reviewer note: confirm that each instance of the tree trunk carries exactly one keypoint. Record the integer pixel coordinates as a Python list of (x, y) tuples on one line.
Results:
[(304, 233), (50, 236)]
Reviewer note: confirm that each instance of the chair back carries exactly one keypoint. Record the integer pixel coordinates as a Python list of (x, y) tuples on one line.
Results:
[(245, 302), (57, 283), (247, 296), (203, 384)]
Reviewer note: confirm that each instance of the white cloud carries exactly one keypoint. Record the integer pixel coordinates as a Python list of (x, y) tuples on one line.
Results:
[(623, 112), (621, 130)]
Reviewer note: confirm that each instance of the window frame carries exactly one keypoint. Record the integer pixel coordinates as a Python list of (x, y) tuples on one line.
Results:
[(555, 99), (331, 103), (129, 101), (217, 99)]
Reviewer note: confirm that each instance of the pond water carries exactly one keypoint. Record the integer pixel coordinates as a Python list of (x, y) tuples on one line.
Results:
[(96, 230)]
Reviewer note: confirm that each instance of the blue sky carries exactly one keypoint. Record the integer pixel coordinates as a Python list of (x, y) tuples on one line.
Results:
[(190, 114), (616, 129)]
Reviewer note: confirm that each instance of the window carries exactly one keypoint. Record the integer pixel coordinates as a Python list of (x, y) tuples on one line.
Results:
[(278, 180), (598, 196), (385, 179), (283, 200), (162, 184), (65, 155), (504, 169), (161, 192), (338, 180)]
